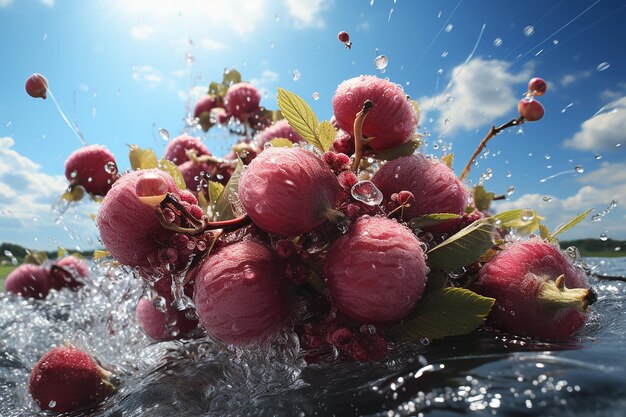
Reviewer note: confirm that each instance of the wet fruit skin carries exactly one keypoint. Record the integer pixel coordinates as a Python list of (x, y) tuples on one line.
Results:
[(36, 86), (391, 121), (376, 272), (531, 110), (343, 36), (240, 294), (514, 278), (161, 325), (30, 281), (537, 86), (67, 270), (435, 186), (280, 129), (177, 147), (242, 98), (287, 191), (66, 379), (87, 167)]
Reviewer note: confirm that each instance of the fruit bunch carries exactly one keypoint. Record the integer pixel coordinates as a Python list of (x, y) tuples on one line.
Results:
[(341, 230)]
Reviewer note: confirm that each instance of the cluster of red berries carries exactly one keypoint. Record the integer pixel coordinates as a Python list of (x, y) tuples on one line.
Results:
[(529, 108)]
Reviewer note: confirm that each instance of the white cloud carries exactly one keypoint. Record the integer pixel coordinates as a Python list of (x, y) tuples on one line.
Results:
[(572, 78), (602, 131), (267, 83), (604, 185), (147, 74), (142, 32), (212, 45), (481, 92), (49, 3), (6, 3), (192, 95), (306, 12), (26, 195)]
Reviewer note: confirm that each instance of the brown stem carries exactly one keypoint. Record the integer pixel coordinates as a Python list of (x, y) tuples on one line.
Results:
[(499, 197), (358, 134), (193, 156), (169, 199), (492, 132)]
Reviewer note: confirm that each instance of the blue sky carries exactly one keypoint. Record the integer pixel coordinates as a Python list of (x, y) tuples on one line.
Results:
[(120, 70)]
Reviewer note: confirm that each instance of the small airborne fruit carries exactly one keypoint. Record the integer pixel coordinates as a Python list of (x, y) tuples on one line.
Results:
[(66, 379), (344, 38), (37, 86), (280, 129), (30, 281), (68, 272), (288, 191), (538, 292), (537, 86), (376, 272), (240, 293), (530, 109), (391, 121), (163, 325), (93, 167), (242, 98), (177, 147)]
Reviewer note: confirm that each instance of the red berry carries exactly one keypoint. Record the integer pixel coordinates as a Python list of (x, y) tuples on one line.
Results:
[(163, 325), (30, 281), (280, 129), (537, 86), (37, 86), (240, 295), (522, 279), (391, 121), (92, 167), (177, 147), (376, 272), (66, 379), (288, 191), (68, 272), (203, 108), (530, 109), (343, 36), (151, 189), (242, 98), (434, 186), (343, 143)]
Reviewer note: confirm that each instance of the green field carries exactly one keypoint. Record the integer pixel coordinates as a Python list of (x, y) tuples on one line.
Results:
[(4, 271)]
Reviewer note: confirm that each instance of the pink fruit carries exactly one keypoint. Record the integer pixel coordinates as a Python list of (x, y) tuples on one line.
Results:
[(151, 189), (129, 229), (530, 300), (376, 272), (280, 129), (203, 108), (68, 272), (435, 187), (239, 293), (242, 98), (92, 167), (66, 379), (391, 121), (343, 36), (177, 147), (194, 174), (30, 281), (288, 191), (530, 109), (37, 86), (537, 86), (163, 325)]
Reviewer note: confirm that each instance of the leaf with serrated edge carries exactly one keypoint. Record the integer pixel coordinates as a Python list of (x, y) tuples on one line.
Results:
[(431, 220), (482, 198), (142, 158), (515, 219), (326, 134), (222, 207), (573, 222), (445, 312), (300, 116), (406, 149), (281, 143), (171, 168), (448, 159), (464, 247)]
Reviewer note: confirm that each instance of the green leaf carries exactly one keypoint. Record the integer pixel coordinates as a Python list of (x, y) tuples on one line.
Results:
[(171, 168), (273, 115), (99, 254), (544, 232), (217, 90), (406, 149), (35, 257), (281, 143), (231, 76), (482, 198), (431, 220), (300, 116), (464, 247), (76, 194), (568, 225), (61, 252), (326, 134), (525, 221), (445, 312), (448, 159), (223, 209), (142, 158), (215, 191)]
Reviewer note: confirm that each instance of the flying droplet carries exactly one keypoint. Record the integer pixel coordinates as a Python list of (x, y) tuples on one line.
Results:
[(380, 62), (567, 107), (598, 156), (510, 190), (547, 198), (449, 27), (579, 169), (296, 74), (189, 58), (508, 174), (110, 168), (366, 192), (497, 42), (315, 95), (603, 66), (444, 54), (547, 156), (555, 42), (529, 30), (165, 135), (604, 236)]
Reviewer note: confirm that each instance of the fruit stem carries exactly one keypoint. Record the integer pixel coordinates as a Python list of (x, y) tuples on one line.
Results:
[(492, 132), (401, 208), (192, 154), (555, 295), (358, 134)]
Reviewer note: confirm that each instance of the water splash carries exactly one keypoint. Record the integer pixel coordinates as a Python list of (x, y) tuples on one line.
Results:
[(74, 128)]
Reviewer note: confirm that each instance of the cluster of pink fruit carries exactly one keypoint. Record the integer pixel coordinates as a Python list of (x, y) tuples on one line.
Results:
[(345, 249)]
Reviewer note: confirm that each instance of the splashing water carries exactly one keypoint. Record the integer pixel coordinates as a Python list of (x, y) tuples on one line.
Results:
[(74, 128), (577, 170)]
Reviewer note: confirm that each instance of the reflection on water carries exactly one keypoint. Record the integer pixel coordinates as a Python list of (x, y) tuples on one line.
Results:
[(486, 373)]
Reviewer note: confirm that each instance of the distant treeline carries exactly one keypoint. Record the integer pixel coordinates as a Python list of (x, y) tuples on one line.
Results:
[(597, 247), (19, 252)]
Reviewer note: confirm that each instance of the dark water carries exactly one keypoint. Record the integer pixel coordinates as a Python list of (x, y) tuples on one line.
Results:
[(485, 373)]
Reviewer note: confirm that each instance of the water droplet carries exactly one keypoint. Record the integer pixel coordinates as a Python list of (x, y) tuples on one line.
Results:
[(296, 74), (497, 42), (603, 66), (604, 236), (165, 135), (440, 71), (380, 62), (444, 54), (598, 156), (449, 27), (73, 174), (52, 404), (567, 107), (110, 168), (45, 36), (35, 219), (510, 190), (189, 58), (555, 42), (366, 192), (315, 95), (527, 215), (529, 30), (547, 156), (547, 198), (579, 169)]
